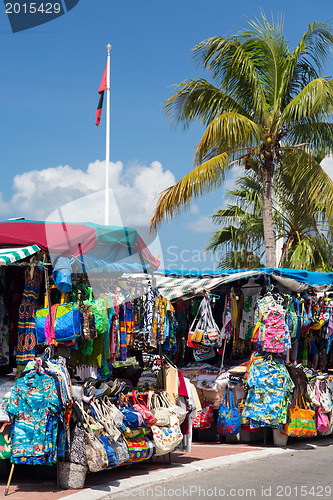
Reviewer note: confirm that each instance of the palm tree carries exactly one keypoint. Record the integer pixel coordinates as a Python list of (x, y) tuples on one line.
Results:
[(298, 221), (266, 107)]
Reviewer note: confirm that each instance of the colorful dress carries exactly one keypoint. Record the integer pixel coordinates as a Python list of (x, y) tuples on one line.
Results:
[(26, 325)]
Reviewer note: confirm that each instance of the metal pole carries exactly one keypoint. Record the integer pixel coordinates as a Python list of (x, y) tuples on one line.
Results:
[(107, 151)]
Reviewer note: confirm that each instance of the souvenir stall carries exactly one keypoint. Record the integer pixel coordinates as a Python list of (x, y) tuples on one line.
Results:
[(257, 342), (77, 302)]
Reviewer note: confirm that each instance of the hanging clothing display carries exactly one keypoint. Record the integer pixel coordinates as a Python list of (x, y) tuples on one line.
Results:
[(26, 325)]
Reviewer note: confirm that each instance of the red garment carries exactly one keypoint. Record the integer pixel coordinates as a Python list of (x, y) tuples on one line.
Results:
[(182, 391)]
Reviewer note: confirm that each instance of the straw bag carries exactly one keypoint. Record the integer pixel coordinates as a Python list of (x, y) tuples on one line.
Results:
[(158, 408), (167, 438)]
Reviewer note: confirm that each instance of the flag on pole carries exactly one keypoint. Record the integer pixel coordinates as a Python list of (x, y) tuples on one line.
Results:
[(103, 86)]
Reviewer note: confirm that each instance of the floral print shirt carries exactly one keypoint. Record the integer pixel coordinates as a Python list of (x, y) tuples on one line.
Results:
[(32, 402)]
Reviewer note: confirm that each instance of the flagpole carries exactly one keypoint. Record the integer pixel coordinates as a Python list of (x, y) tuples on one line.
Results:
[(107, 150)]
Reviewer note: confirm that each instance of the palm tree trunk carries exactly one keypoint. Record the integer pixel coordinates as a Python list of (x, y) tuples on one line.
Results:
[(268, 216)]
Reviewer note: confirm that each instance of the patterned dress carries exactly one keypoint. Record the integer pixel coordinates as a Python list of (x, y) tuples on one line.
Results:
[(26, 325)]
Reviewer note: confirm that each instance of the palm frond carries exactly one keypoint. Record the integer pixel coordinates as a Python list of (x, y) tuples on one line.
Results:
[(228, 132), (199, 100), (202, 179)]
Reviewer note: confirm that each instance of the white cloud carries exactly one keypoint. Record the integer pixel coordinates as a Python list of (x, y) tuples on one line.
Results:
[(80, 193), (202, 225), (327, 165)]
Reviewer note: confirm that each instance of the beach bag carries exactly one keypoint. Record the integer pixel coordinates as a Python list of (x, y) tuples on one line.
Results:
[(111, 454), (100, 313), (300, 421), (137, 449), (306, 319), (147, 414), (66, 324), (77, 450), (205, 416), (88, 331), (175, 409), (167, 438), (322, 420), (203, 331), (228, 418), (132, 418), (159, 409), (203, 353), (324, 397), (121, 450), (97, 458)]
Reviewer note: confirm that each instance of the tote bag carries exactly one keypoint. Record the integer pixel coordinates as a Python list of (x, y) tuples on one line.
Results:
[(300, 422), (228, 419), (167, 438)]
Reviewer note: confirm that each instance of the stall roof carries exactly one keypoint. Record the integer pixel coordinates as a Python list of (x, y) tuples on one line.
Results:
[(109, 243), (186, 283), (11, 255)]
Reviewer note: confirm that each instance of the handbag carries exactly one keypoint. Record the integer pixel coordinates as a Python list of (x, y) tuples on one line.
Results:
[(322, 420), (137, 449), (148, 415), (311, 392), (203, 331), (203, 353), (5, 440), (324, 397), (177, 410), (228, 419), (121, 450), (132, 418), (97, 458), (110, 451), (300, 421), (91, 425), (167, 438), (88, 331), (66, 324), (100, 313), (205, 416), (158, 408), (77, 449)]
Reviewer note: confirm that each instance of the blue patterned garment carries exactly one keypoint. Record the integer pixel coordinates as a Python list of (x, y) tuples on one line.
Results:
[(269, 388), (32, 407)]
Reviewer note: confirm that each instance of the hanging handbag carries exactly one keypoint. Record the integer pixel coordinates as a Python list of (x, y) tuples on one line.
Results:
[(110, 451), (121, 450), (167, 438), (77, 449), (132, 418), (228, 419), (324, 397), (175, 409), (97, 458), (137, 449), (100, 313), (158, 408), (65, 326), (149, 417), (205, 416), (90, 424), (203, 353), (322, 420), (203, 331), (89, 331), (300, 421)]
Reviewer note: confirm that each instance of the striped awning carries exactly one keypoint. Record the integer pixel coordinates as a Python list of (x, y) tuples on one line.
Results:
[(10, 255), (175, 288)]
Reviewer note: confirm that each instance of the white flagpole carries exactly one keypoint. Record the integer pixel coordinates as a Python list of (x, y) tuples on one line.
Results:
[(107, 151)]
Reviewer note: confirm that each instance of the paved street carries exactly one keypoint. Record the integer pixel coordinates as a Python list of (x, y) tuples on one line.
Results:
[(294, 475)]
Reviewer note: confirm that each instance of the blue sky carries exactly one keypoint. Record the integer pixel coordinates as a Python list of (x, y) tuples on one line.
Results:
[(48, 96)]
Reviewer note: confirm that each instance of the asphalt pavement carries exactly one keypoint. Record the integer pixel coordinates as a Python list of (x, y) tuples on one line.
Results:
[(305, 472)]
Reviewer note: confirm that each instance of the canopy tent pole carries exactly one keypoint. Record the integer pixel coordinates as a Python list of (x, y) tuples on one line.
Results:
[(107, 151)]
